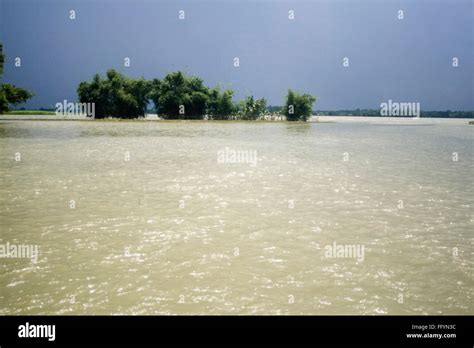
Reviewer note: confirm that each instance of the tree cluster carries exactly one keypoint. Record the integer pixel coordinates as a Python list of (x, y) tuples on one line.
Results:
[(115, 95), (177, 96)]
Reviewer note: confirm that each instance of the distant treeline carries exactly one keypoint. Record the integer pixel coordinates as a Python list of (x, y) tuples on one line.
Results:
[(178, 96), (376, 112), (278, 110)]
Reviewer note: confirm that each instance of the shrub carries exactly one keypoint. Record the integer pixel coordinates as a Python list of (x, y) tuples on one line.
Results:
[(298, 107), (252, 109)]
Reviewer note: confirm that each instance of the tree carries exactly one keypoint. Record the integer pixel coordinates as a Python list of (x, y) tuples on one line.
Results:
[(260, 107), (226, 106), (252, 109), (298, 107), (10, 94), (154, 93), (95, 92), (3, 102), (180, 96), (214, 103), (116, 96), (220, 105), (15, 95)]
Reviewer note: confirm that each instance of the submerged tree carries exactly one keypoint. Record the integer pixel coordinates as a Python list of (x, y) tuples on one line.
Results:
[(10, 94), (94, 92), (180, 96), (252, 109), (116, 96), (220, 105), (154, 93), (298, 107)]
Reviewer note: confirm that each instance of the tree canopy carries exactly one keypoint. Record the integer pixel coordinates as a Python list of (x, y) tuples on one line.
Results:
[(180, 96), (220, 105), (116, 95), (298, 107), (251, 109), (10, 94), (177, 96)]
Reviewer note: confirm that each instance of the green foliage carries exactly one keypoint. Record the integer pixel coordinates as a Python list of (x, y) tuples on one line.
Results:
[(376, 113), (448, 114), (298, 107), (10, 94), (214, 102), (274, 109), (226, 106), (356, 112), (31, 112), (220, 105), (14, 94), (3, 102), (179, 96), (252, 109), (94, 92), (154, 93), (116, 96)]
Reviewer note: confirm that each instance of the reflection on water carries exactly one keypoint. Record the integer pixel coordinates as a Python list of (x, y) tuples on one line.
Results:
[(142, 218)]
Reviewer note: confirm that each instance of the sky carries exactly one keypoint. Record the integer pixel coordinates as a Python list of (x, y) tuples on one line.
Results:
[(405, 60)]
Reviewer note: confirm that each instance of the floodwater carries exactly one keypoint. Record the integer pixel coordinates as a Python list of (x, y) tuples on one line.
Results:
[(237, 218)]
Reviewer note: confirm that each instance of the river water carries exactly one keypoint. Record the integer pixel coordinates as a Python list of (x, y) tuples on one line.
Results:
[(151, 218)]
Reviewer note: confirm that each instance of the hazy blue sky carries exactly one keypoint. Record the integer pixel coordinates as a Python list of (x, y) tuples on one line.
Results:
[(403, 60)]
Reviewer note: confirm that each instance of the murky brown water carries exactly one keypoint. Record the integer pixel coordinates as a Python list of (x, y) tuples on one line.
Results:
[(142, 218)]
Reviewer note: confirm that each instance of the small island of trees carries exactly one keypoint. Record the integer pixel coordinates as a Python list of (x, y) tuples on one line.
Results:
[(178, 96)]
